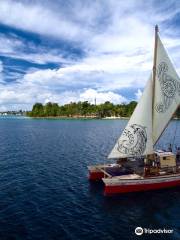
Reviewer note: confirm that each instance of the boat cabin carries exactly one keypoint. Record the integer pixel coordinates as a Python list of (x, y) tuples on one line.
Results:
[(166, 159), (160, 162)]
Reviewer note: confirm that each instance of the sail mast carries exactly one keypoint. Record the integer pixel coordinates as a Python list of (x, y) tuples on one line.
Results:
[(154, 67)]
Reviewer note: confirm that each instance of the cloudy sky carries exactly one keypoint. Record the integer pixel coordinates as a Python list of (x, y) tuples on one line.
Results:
[(64, 51)]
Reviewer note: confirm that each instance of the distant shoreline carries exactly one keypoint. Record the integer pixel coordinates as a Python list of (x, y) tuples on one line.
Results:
[(73, 117), (79, 117), (85, 110), (88, 117)]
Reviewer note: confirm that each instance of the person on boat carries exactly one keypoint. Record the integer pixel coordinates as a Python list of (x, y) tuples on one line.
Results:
[(170, 148), (177, 153)]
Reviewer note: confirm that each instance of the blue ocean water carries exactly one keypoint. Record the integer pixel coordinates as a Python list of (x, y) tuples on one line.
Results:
[(45, 194)]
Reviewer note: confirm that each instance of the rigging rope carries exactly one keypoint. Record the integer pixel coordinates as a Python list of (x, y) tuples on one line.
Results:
[(174, 134)]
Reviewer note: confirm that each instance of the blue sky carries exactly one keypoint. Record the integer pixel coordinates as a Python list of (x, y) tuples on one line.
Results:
[(64, 51)]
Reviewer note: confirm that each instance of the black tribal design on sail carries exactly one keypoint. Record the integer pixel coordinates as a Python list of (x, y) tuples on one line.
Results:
[(170, 87), (133, 141)]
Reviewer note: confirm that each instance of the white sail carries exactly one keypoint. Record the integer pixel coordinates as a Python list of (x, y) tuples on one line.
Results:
[(167, 91), (136, 139)]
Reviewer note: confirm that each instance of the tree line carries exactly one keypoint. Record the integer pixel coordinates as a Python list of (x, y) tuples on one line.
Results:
[(85, 109)]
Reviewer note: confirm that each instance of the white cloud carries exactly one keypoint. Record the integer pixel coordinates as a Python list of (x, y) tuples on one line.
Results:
[(116, 36), (22, 97), (90, 95), (1, 72), (8, 44), (1, 66), (16, 48), (37, 19), (87, 74), (39, 58)]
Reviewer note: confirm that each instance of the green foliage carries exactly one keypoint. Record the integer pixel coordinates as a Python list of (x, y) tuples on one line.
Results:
[(85, 109), (51, 109), (37, 110)]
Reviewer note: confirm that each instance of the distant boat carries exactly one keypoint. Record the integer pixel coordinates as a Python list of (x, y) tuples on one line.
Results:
[(139, 167)]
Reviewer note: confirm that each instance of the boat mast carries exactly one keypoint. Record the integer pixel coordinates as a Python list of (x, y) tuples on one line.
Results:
[(154, 67)]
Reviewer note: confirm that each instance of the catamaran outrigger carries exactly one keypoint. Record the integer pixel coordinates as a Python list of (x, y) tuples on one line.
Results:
[(138, 166)]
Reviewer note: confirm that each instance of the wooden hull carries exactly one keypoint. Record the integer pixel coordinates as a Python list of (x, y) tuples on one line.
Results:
[(115, 186)]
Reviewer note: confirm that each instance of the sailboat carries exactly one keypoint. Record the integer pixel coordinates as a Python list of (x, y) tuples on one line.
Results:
[(138, 165)]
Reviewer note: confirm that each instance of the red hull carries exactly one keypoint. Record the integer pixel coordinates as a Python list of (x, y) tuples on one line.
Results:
[(96, 176), (111, 190)]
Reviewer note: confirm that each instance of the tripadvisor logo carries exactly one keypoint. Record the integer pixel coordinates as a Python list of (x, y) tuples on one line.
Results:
[(139, 231)]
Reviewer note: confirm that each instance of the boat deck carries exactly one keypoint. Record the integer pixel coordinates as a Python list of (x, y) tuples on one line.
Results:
[(111, 170), (118, 171), (123, 173)]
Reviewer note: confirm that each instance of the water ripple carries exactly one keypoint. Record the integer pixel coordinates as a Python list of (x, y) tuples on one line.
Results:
[(45, 194)]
